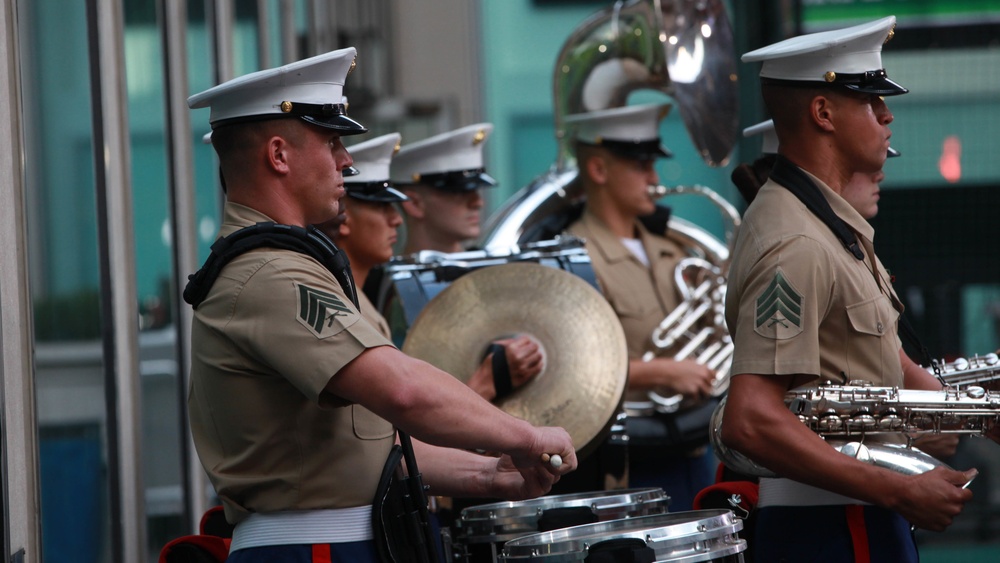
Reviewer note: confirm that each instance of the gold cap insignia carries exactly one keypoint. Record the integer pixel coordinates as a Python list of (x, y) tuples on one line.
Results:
[(354, 64), (416, 176), (830, 76), (479, 137), (892, 33), (286, 106), (396, 148)]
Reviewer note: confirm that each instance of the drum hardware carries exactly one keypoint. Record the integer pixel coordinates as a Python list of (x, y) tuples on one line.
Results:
[(734, 500), (582, 382), (481, 531), (406, 284), (697, 535), (854, 418)]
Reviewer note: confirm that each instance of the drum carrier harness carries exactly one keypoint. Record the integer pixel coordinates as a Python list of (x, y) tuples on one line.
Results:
[(400, 519)]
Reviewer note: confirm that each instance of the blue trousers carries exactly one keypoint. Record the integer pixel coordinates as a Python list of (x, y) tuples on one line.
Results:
[(352, 552), (680, 477), (832, 534)]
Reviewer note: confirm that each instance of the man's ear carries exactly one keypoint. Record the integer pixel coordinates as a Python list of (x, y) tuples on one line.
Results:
[(277, 154), (821, 112), (414, 207), (596, 168), (344, 228)]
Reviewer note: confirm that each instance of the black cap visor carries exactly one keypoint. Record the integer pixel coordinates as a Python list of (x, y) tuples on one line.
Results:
[(378, 192), (638, 150), (459, 180), (871, 82), (340, 123)]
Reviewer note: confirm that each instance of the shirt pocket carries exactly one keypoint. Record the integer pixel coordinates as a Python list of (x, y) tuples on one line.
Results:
[(874, 317), (368, 425)]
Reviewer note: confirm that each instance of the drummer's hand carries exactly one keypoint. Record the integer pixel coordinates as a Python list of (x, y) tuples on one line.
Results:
[(549, 441), (524, 359), (511, 483), (686, 377)]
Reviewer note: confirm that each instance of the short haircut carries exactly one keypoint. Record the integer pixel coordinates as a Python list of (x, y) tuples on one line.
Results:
[(233, 141)]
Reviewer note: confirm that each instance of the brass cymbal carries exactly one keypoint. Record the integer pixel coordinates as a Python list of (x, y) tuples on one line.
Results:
[(582, 384)]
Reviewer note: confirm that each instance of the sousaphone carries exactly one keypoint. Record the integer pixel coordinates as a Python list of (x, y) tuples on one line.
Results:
[(582, 383)]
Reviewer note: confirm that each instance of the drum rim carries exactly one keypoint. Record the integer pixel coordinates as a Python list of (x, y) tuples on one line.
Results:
[(695, 526), (569, 500)]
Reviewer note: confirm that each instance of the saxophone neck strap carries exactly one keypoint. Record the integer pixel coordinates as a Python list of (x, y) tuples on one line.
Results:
[(801, 185), (793, 179), (310, 241)]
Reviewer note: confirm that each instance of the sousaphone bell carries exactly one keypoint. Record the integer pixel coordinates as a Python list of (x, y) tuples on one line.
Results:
[(582, 383)]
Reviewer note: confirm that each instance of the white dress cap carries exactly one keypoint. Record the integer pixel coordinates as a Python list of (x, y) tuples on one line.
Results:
[(311, 89), (851, 57), (630, 131), (372, 159), (769, 138), (450, 161)]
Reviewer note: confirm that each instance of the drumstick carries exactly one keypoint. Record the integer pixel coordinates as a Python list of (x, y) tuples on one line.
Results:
[(555, 460)]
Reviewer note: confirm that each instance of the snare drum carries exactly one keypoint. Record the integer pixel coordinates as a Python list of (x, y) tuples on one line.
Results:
[(402, 288), (481, 530), (689, 537)]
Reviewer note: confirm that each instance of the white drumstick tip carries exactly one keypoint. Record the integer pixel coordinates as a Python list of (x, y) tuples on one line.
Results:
[(555, 460)]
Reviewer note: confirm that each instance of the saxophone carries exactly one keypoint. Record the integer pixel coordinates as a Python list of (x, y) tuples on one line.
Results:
[(983, 371), (855, 419)]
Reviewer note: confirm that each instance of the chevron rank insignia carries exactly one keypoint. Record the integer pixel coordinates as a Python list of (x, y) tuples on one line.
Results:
[(779, 309), (324, 313)]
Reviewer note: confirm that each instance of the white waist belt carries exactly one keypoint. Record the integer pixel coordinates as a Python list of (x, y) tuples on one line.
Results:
[(785, 492), (338, 525)]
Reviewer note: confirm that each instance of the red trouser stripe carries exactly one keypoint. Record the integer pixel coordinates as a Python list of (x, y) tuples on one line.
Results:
[(321, 553), (859, 533)]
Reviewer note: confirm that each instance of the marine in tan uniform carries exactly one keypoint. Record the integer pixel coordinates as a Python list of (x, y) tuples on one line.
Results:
[(294, 395), (809, 301), (444, 178), (616, 150)]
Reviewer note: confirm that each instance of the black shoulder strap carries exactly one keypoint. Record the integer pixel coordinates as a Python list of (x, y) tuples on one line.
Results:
[(310, 241), (797, 182)]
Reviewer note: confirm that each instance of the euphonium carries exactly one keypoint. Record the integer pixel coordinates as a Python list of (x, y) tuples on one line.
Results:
[(854, 418), (696, 328), (683, 48)]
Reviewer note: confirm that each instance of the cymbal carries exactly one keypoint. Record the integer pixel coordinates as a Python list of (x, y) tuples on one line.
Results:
[(582, 383)]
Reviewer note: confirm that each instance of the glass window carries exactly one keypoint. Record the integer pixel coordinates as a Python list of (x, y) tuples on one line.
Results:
[(65, 279)]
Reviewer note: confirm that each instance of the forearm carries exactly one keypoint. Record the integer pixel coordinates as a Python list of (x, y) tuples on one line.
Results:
[(422, 400), (758, 424), (915, 376), (453, 473)]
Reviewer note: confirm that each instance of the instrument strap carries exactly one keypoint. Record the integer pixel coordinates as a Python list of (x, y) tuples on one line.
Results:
[(792, 178), (502, 383), (310, 241)]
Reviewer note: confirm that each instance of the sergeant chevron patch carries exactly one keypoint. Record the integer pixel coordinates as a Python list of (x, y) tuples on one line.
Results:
[(779, 309), (324, 313)]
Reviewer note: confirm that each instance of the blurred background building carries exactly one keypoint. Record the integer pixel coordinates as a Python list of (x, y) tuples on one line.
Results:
[(109, 199)]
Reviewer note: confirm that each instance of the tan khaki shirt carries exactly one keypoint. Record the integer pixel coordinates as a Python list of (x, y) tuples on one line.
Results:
[(641, 296), (275, 327), (799, 303)]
